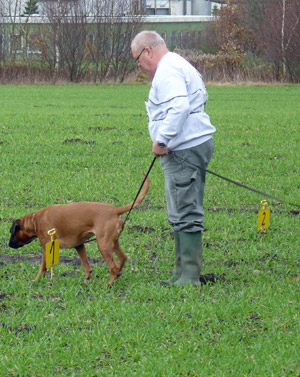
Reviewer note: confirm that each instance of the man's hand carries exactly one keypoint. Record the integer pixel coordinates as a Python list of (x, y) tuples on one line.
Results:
[(159, 151)]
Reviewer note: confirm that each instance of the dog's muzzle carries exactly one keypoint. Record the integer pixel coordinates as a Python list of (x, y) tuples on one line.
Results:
[(15, 244)]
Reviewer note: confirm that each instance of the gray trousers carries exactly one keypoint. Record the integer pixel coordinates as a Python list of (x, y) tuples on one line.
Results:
[(184, 185)]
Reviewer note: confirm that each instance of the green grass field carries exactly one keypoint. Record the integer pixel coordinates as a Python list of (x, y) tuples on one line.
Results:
[(90, 143)]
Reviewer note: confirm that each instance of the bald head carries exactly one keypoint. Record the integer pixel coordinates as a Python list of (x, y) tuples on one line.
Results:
[(148, 38)]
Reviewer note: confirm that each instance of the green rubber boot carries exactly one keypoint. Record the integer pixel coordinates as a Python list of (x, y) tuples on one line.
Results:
[(178, 270), (191, 258)]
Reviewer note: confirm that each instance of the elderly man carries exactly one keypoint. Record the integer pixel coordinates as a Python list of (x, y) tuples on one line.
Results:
[(181, 132)]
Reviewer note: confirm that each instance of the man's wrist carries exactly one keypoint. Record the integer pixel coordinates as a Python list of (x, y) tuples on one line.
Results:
[(161, 144)]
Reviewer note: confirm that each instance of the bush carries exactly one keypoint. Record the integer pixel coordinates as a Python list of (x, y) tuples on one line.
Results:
[(230, 66)]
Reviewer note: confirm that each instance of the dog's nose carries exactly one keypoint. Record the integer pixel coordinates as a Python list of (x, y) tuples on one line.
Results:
[(14, 244)]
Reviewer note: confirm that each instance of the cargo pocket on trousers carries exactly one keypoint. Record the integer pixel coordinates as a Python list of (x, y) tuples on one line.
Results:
[(186, 191)]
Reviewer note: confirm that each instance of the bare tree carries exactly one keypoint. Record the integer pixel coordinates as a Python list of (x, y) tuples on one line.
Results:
[(124, 32), (232, 37), (89, 32), (280, 34), (72, 41), (290, 35), (115, 24), (266, 29), (11, 9), (63, 40), (2, 32)]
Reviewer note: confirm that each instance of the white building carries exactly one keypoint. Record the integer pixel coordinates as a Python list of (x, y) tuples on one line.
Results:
[(151, 7), (178, 7)]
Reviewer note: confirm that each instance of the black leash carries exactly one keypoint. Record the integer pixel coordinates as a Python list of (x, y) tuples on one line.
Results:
[(210, 172), (239, 184), (133, 203), (146, 176)]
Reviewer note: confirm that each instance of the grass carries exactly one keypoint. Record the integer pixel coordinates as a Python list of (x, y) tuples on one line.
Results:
[(69, 143)]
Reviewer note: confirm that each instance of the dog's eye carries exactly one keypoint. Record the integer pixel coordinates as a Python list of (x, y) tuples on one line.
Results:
[(14, 228)]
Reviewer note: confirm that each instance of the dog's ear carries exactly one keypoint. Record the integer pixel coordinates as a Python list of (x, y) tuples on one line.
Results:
[(15, 227)]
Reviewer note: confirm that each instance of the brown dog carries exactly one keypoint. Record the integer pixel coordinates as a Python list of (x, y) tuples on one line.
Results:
[(75, 223)]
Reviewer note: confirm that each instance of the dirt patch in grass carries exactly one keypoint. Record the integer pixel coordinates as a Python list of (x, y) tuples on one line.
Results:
[(77, 140), (142, 229), (4, 259)]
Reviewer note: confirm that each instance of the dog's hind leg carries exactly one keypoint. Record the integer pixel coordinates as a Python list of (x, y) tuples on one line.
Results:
[(43, 268), (84, 261), (120, 254), (106, 248)]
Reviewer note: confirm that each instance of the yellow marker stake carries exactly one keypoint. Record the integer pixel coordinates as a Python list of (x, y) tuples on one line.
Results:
[(263, 220), (52, 252)]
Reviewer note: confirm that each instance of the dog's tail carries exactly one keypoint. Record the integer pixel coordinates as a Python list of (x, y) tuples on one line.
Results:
[(139, 199)]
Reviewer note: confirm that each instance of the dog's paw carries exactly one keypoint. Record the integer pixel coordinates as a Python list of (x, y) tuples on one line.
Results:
[(88, 275), (88, 278)]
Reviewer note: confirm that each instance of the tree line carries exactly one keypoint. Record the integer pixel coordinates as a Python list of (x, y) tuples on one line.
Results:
[(89, 40), (259, 34), (73, 40)]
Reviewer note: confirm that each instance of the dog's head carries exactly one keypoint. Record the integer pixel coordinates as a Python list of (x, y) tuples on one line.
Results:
[(19, 236)]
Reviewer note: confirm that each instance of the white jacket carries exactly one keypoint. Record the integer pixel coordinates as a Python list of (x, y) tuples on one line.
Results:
[(176, 105)]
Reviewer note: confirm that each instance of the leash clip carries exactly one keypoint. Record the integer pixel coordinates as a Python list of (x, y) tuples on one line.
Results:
[(263, 204), (51, 233)]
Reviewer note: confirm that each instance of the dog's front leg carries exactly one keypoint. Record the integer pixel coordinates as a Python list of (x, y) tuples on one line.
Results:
[(84, 261), (43, 268)]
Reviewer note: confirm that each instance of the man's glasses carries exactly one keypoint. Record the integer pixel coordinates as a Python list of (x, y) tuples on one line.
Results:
[(137, 59)]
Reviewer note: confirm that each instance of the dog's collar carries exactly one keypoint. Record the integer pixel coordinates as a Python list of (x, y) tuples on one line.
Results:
[(33, 222)]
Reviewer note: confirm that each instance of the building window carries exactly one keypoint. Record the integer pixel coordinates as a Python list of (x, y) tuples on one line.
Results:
[(157, 11), (162, 11), (150, 11)]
